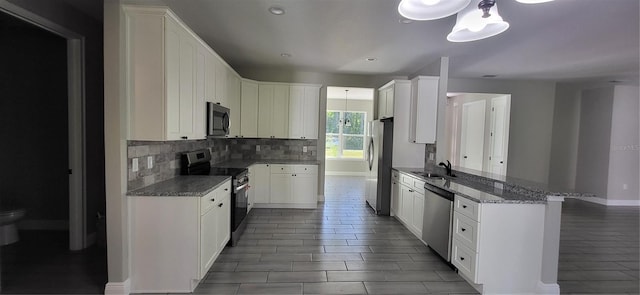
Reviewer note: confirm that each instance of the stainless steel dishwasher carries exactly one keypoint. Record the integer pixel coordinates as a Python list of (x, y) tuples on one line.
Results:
[(437, 220)]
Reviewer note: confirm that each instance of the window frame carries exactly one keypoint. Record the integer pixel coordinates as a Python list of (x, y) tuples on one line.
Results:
[(341, 135)]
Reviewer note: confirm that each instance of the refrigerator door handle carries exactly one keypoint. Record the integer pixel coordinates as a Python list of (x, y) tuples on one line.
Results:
[(371, 151)]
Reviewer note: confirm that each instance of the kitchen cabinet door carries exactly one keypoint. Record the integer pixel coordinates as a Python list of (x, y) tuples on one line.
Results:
[(199, 107), (280, 112), (418, 213), (233, 90), (210, 76), (304, 108), (209, 245), (260, 175), (304, 188), (424, 109), (265, 110), (249, 109), (280, 189), (223, 222), (406, 194), (221, 82)]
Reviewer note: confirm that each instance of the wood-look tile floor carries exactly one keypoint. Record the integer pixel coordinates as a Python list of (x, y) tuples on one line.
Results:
[(339, 248), (599, 249)]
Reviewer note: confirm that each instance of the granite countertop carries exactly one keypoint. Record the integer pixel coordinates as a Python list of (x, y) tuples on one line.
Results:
[(182, 186), (247, 163), (475, 191)]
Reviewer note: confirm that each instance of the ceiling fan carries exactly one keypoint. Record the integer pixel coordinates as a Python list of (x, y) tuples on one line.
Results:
[(476, 19)]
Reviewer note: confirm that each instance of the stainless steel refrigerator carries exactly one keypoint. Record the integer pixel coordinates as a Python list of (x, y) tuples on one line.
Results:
[(379, 160)]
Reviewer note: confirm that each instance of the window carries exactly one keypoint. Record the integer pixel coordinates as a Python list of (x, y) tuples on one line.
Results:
[(346, 142)]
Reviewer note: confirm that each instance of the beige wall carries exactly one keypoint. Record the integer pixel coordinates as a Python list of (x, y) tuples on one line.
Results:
[(350, 166)]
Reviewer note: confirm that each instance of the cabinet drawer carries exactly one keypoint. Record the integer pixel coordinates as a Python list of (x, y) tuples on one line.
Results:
[(406, 180), (467, 207), (464, 259), (287, 169), (206, 202), (465, 231), (418, 185), (305, 169)]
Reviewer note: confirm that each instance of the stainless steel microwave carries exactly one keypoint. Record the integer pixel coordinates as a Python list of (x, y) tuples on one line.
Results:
[(217, 120)]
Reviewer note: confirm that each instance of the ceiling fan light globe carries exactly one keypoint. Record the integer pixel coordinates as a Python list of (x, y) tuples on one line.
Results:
[(471, 26), (430, 9)]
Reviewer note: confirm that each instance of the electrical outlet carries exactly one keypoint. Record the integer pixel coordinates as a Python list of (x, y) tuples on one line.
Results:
[(134, 165), (226, 148), (257, 148), (498, 185), (304, 149), (149, 162), (432, 156)]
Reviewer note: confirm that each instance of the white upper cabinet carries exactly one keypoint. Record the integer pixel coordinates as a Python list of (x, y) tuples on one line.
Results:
[(273, 110), (424, 109), (304, 108), (233, 101), (171, 73), (385, 101), (249, 107)]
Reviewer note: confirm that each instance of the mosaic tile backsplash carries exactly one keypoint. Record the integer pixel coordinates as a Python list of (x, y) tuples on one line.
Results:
[(166, 154)]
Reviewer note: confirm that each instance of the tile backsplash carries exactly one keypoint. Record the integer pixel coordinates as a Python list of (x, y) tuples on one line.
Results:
[(166, 154)]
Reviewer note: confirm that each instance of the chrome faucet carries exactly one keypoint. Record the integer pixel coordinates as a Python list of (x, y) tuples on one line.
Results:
[(446, 166)]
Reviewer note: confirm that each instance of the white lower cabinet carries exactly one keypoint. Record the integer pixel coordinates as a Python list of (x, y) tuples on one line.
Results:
[(497, 247), (175, 240), (285, 186), (410, 202)]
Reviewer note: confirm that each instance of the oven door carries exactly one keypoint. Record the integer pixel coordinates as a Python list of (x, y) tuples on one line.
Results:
[(240, 201), (217, 120)]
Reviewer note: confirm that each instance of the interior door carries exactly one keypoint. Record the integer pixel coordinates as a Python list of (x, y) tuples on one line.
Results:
[(499, 142), (472, 135)]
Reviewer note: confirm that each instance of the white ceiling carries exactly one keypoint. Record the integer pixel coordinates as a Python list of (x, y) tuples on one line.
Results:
[(559, 40)]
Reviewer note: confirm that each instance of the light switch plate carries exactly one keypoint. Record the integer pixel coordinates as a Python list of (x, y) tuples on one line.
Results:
[(149, 162), (134, 165)]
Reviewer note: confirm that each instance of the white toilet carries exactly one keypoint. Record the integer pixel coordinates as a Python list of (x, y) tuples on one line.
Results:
[(8, 230)]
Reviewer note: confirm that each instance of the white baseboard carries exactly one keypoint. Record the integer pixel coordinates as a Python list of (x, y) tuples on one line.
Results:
[(42, 224), (347, 173), (118, 288), (551, 289), (609, 202)]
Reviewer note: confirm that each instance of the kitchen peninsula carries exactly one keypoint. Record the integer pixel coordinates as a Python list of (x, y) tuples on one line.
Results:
[(504, 237)]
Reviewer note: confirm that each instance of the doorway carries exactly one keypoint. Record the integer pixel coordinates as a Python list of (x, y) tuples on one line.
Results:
[(43, 124), (479, 137)]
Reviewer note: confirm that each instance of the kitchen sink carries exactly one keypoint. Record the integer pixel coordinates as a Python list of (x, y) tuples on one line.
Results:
[(431, 175)]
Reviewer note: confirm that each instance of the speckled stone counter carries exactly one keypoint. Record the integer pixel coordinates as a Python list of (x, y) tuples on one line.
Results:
[(475, 191), (182, 186), (247, 163)]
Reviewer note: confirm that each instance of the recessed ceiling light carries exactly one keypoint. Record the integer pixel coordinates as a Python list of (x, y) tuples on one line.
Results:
[(489, 76), (276, 10), (285, 54), (405, 21), (371, 59)]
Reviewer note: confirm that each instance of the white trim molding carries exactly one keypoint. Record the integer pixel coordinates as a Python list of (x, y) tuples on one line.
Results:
[(118, 288), (548, 288), (609, 202)]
